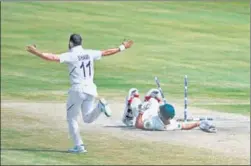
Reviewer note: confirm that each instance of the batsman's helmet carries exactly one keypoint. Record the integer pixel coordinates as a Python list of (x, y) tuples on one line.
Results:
[(75, 40), (167, 111)]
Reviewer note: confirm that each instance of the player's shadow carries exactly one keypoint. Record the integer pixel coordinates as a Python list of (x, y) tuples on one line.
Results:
[(123, 127), (32, 150)]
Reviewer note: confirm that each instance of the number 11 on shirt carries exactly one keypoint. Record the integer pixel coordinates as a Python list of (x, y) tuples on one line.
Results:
[(86, 67)]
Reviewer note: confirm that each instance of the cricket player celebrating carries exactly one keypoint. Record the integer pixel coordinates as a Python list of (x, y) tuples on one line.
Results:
[(152, 114), (83, 92)]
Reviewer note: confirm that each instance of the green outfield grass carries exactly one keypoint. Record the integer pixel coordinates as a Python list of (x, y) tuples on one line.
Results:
[(208, 41), (23, 142)]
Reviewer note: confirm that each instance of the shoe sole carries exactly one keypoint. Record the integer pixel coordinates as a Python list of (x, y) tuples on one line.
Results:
[(104, 103), (78, 152), (212, 130), (84, 151)]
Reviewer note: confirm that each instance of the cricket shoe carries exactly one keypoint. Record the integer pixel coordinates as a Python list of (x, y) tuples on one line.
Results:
[(206, 126), (128, 122), (133, 92), (104, 107), (131, 105), (153, 93), (78, 149)]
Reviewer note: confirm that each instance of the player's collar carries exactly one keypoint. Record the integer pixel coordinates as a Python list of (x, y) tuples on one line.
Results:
[(76, 48)]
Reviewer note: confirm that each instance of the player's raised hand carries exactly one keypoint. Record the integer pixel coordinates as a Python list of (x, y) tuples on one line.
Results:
[(122, 47), (31, 48), (128, 43)]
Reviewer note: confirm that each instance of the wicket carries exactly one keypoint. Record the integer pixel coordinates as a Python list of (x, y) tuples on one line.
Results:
[(185, 118)]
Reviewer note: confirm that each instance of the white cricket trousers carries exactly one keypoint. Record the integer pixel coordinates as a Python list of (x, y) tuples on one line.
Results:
[(77, 101)]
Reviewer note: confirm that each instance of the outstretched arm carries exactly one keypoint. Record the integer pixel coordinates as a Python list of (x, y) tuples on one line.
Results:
[(123, 46), (46, 56), (189, 126)]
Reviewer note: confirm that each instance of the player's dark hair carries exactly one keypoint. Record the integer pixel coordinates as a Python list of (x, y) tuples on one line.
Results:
[(75, 40)]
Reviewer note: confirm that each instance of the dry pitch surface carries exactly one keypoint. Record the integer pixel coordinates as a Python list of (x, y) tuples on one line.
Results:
[(232, 138)]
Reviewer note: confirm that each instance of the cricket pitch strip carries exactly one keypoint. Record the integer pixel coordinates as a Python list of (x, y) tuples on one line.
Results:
[(232, 137)]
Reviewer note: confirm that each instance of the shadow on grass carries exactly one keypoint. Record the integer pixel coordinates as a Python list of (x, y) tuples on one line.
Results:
[(33, 150), (123, 127)]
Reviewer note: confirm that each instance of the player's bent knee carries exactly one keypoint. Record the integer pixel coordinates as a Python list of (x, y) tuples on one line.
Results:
[(86, 120)]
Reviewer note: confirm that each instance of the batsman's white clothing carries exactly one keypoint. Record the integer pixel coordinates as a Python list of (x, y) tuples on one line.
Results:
[(152, 120), (150, 117), (83, 91)]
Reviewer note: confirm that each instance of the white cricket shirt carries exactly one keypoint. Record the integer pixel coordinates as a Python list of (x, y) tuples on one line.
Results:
[(80, 63), (152, 120)]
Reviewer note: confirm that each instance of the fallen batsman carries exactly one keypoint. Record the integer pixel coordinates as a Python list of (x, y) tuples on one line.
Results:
[(153, 114)]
